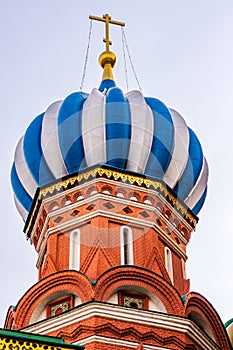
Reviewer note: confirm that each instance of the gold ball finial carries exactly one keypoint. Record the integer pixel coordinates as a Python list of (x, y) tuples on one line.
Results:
[(107, 58)]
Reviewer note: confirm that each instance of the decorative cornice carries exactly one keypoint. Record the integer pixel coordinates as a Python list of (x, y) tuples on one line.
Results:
[(94, 181), (104, 171), (116, 312)]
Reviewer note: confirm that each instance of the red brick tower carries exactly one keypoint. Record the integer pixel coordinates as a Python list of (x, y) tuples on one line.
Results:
[(111, 231)]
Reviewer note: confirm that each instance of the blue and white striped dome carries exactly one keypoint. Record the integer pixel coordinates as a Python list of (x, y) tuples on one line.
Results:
[(127, 131)]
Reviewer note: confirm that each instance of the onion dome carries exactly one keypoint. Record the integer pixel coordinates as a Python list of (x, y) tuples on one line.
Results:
[(127, 131), (124, 130)]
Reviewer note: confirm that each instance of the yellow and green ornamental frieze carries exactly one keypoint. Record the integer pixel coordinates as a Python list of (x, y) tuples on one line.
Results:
[(112, 174), (13, 340)]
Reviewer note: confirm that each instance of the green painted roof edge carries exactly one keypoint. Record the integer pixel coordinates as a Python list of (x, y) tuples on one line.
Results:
[(25, 335), (227, 324), (59, 342), (183, 298)]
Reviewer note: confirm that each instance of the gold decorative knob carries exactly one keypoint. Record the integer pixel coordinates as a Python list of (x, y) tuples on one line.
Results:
[(107, 57)]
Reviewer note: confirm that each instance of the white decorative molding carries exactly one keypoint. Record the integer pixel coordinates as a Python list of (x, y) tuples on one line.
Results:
[(123, 314), (126, 242), (168, 262), (74, 256), (117, 342)]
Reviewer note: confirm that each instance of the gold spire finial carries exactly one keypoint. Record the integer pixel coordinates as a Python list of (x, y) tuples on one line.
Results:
[(107, 59)]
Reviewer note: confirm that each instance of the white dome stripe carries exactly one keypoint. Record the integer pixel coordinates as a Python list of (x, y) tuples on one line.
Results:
[(180, 153), (199, 188), (50, 141), (93, 128), (142, 122), (23, 171), (22, 211)]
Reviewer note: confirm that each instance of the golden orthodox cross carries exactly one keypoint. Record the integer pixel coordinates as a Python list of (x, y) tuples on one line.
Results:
[(107, 19)]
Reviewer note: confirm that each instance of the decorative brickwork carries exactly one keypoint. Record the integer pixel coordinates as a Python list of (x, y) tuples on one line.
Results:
[(104, 235), (96, 210)]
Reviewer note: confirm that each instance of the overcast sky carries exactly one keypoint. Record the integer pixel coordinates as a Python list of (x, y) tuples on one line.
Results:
[(183, 54)]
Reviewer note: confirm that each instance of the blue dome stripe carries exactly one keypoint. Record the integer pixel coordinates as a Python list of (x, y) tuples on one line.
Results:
[(106, 84), (163, 139), (193, 167), (70, 131), (20, 193), (118, 128), (200, 203), (33, 152)]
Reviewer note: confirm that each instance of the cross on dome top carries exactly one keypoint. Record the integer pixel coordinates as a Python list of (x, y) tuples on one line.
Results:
[(107, 59), (107, 19)]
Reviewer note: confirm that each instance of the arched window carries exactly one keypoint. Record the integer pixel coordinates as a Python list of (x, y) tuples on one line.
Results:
[(126, 241), (168, 262), (74, 262)]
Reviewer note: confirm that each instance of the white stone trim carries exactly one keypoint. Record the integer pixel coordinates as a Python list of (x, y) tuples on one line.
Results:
[(117, 342), (74, 256), (168, 262), (116, 312), (129, 245)]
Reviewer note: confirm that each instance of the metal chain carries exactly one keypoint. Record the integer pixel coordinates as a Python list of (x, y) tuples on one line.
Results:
[(86, 58), (125, 65), (130, 59)]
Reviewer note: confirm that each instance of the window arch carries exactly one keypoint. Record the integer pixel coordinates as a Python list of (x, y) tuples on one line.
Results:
[(168, 262), (126, 242), (74, 261)]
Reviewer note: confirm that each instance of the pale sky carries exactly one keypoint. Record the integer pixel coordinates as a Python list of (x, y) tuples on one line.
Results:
[(183, 55)]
